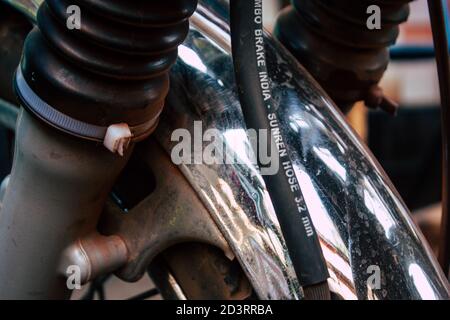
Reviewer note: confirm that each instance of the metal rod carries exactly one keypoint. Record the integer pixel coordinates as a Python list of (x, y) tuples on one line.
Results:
[(56, 193)]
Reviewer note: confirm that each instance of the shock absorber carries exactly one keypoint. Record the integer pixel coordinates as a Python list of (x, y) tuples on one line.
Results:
[(345, 54), (103, 79)]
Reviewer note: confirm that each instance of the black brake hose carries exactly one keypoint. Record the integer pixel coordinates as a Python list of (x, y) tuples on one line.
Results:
[(437, 19), (251, 74)]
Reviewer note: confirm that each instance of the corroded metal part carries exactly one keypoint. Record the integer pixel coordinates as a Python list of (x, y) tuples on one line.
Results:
[(171, 214), (205, 273), (94, 255)]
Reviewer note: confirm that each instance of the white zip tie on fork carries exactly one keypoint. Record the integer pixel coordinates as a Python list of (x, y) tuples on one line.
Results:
[(116, 137)]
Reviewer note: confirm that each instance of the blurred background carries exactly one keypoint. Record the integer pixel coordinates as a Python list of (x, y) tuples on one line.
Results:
[(409, 145)]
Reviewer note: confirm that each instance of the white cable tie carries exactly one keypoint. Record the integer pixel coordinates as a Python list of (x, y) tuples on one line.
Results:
[(117, 138)]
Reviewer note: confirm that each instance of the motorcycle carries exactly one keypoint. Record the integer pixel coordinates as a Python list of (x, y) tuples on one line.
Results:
[(207, 230)]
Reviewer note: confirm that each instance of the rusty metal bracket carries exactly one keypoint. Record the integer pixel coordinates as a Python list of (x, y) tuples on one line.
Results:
[(171, 214)]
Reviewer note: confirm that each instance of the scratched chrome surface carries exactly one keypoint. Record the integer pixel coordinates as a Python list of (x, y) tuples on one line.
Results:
[(361, 220)]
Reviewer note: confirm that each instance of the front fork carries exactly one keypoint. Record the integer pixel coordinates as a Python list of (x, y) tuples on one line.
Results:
[(106, 81), (57, 191)]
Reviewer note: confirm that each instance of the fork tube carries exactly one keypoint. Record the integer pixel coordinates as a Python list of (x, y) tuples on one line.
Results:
[(58, 187)]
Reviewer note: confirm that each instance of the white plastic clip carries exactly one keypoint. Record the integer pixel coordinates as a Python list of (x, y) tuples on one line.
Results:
[(117, 138)]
